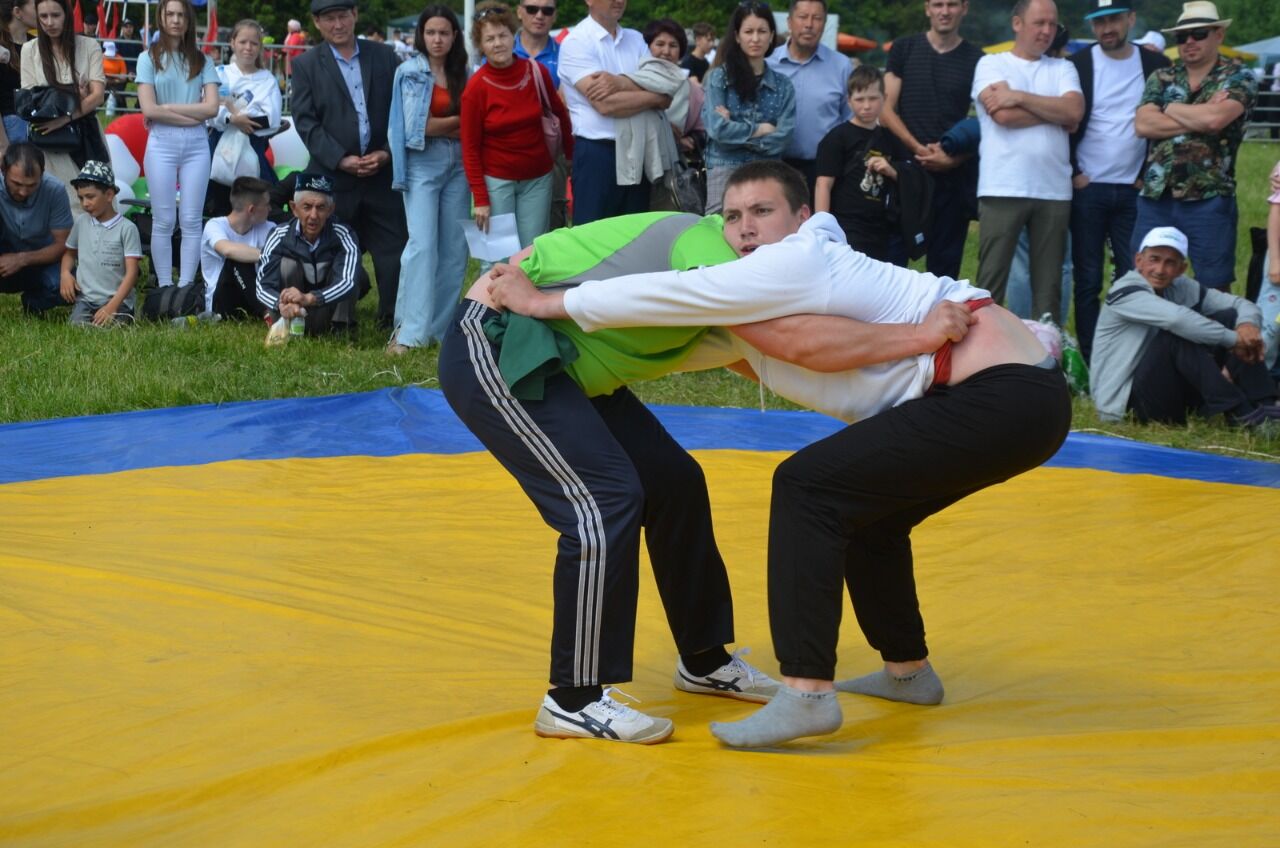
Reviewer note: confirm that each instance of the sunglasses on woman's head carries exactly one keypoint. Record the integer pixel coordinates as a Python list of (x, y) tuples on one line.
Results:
[(1183, 36), (548, 11)]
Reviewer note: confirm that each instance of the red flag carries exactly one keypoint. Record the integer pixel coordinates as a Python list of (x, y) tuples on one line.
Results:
[(77, 19), (102, 21), (211, 34), (115, 21)]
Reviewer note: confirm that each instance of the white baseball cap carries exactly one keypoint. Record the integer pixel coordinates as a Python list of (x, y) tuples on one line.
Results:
[(1153, 38), (1165, 237)]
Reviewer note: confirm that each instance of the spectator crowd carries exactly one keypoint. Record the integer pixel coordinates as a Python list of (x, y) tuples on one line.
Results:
[(1113, 158)]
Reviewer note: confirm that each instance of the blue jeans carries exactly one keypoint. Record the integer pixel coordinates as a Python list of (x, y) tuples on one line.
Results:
[(1101, 213), (434, 260), (38, 284), (1210, 228), (1018, 295), (1269, 303)]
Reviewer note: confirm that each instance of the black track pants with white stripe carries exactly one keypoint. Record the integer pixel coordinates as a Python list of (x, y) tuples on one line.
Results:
[(598, 470)]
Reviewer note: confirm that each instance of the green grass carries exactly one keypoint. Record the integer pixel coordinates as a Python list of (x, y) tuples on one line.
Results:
[(54, 370)]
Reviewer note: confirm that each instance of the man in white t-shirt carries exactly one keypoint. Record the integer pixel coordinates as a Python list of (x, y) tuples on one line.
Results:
[(1106, 156), (231, 247), (1027, 104), (593, 59)]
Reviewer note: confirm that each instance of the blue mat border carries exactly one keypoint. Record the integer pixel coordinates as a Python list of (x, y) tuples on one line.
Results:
[(391, 422)]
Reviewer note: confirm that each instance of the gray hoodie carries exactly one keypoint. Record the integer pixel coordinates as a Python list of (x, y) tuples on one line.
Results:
[(1132, 315)]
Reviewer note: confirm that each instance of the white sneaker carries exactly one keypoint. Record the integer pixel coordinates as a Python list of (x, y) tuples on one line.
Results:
[(735, 679), (602, 719)]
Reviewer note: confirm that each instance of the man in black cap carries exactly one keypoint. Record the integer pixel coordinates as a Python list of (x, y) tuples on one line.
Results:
[(1106, 156), (342, 116), (310, 266)]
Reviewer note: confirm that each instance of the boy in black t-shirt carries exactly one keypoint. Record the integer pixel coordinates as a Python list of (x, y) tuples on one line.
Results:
[(856, 169)]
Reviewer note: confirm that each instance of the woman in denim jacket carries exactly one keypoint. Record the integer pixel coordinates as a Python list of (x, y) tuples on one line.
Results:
[(426, 165), (750, 110)]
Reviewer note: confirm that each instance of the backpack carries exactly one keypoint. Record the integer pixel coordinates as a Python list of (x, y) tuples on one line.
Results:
[(164, 303)]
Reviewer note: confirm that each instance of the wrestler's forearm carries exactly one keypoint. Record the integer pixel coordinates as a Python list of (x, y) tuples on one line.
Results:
[(833, 343)]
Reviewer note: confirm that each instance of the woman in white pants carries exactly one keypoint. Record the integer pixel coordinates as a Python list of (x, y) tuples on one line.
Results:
[(178, 92)]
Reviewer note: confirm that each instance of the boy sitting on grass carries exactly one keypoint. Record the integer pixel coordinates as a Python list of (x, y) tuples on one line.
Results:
[(100, 266), (854, 161)]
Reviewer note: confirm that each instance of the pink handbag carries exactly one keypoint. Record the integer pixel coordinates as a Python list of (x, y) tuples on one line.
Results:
[(550, 123)]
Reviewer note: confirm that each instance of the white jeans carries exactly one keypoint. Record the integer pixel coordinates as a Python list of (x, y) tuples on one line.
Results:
[(176, 157)]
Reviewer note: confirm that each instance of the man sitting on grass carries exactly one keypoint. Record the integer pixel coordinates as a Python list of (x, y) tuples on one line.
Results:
[(231, 247), (310, 266), (100, 266), (1166, 344), (35, 220)]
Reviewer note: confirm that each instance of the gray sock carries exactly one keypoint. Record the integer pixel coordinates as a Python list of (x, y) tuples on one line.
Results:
[(919, 687), (791, 714)]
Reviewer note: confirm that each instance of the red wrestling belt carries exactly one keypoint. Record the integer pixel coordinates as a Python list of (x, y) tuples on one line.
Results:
[(942, 356)]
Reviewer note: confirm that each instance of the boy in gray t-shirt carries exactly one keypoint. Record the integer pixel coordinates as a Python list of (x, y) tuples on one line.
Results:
[(100, 266)]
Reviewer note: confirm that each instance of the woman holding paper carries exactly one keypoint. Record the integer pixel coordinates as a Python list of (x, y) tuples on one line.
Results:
[(504, 150)]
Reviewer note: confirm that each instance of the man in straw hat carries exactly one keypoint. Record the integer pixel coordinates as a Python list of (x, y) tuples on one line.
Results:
[(1194, 114)]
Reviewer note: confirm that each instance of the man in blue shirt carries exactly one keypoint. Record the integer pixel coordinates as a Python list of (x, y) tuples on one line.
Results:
[(820, 76), (35, 220), (534, 41)]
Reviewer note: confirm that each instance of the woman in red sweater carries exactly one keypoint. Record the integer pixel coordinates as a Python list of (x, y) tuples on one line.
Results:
[(504, 151)]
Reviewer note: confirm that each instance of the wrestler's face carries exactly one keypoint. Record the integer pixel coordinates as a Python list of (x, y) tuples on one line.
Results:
[(756, 214), (1160, 266)]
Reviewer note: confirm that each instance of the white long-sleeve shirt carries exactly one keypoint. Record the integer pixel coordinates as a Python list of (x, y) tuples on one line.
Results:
[(813, 271)]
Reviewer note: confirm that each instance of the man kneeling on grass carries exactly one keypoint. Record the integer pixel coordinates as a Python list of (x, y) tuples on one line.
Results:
[(310, 266), (35, 220), (100, 267)]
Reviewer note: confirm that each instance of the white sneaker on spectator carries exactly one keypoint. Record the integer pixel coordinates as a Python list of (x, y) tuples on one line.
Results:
[(602, 719), (735, 679)]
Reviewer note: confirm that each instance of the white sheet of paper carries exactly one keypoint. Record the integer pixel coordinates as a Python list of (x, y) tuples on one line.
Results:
[(500, 242)]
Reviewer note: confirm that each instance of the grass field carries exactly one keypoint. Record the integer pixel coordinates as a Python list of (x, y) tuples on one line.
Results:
[(55, 370)]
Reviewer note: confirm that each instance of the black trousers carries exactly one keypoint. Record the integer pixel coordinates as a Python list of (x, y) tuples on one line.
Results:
[(237, 294), (1176, 376), (598, 470), (376, 213), (955, 204), (843, 508)]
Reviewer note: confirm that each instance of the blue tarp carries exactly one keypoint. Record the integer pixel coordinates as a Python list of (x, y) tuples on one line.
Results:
[(391, 422)]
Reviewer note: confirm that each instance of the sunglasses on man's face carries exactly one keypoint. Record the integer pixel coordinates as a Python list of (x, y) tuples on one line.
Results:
[(1194, 34), (548, 11)]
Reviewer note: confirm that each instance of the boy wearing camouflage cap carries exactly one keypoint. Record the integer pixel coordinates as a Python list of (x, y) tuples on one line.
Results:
[(100, 267)]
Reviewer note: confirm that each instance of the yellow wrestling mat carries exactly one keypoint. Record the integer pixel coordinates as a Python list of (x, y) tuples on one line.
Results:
[(350, 651)]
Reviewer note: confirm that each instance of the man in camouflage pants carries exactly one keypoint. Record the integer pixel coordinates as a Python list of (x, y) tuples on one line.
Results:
[(1194, 115)]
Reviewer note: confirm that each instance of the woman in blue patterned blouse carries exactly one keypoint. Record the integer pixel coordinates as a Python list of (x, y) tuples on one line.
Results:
[(750, 110)]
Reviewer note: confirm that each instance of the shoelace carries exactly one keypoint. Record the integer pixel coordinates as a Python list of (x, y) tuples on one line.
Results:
[(616, 707), (735, 660)]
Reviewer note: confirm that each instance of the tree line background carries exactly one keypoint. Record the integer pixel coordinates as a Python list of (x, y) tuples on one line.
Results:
[(881, 20)]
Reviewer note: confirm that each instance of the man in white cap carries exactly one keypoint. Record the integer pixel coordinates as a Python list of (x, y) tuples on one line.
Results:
[(1106, 156), (1164, 342), (1194, 113)]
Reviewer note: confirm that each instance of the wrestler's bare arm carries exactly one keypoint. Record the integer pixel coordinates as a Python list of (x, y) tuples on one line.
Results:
[(833, 343)]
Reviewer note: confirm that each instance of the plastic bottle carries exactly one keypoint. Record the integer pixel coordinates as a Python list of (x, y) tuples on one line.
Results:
[(298, 325), (111, 104), (1073, 365), (182, 322)]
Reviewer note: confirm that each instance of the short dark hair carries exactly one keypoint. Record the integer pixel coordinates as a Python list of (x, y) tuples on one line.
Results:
[(702, 29), (245, 190), (653, 29), (26, 155), (791, 8), (794, 188), (865, 76)]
